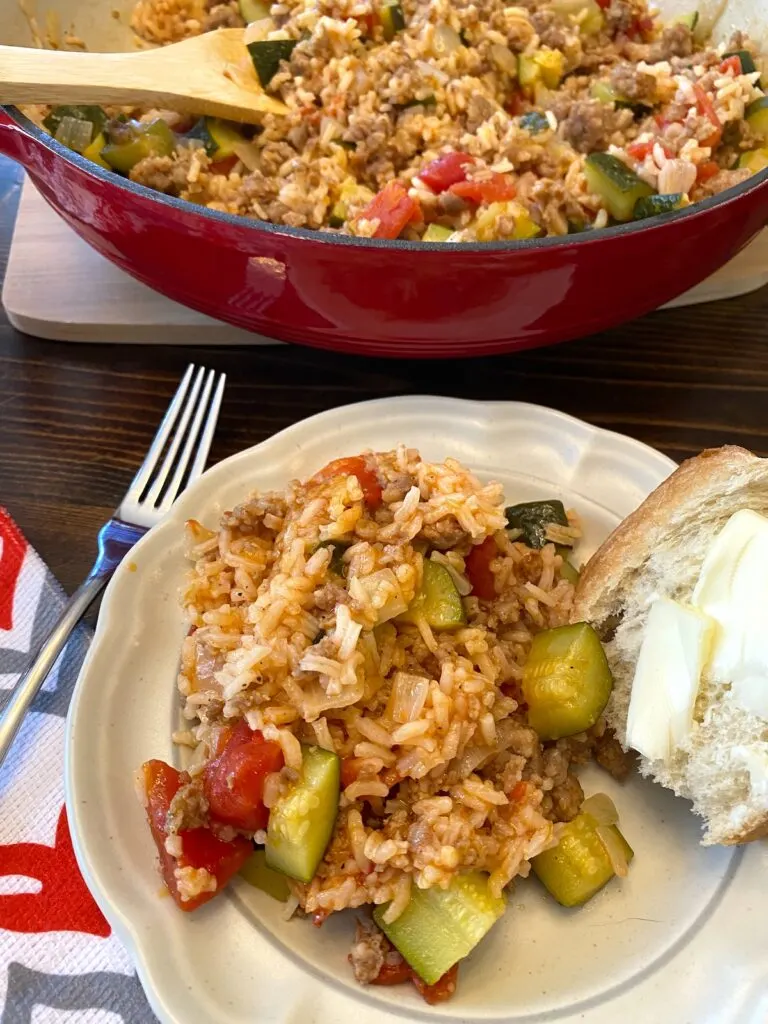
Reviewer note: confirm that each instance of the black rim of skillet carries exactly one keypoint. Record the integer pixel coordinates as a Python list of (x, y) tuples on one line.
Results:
[(754, 182)]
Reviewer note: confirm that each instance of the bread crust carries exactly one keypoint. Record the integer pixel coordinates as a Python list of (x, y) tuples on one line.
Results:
[(730, 471), (755, 828), (636, 536)]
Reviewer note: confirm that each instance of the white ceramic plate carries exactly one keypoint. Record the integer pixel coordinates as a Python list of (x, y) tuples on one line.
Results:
[(684, 938)]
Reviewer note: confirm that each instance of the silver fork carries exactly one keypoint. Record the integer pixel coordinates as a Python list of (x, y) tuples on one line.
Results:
[(188, 425)]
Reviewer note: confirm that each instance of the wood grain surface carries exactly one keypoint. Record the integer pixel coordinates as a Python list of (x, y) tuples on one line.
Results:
[(75, 420)]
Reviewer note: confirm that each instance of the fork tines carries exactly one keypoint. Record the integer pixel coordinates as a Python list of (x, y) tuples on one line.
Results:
[(180, 447)]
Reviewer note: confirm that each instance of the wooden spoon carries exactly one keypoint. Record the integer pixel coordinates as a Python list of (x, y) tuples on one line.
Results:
[(192, 76)]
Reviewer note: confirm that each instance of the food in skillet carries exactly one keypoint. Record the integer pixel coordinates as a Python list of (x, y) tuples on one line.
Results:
[(384, 702), (445, 122)]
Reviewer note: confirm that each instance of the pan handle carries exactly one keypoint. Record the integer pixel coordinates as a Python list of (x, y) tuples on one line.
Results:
[(13, 142)]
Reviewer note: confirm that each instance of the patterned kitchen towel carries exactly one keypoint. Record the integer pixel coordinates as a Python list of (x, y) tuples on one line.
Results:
[(59, 960)]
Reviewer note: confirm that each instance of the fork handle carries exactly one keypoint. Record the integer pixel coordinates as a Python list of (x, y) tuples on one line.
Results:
[(28, 686), (116, 538)]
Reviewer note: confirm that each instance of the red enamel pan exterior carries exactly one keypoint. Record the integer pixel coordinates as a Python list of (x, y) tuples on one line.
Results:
[(386, 298)]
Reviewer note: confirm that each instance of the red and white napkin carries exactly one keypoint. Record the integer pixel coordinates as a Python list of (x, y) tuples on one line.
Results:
[(59, 960)]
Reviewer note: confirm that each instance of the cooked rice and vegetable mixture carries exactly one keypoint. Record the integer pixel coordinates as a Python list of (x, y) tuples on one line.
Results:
[(385, 701), (447, 121)]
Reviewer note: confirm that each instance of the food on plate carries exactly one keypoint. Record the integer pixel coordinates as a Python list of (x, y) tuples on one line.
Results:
[(384, 702), (678, 594), (442, 123), (591, 851)]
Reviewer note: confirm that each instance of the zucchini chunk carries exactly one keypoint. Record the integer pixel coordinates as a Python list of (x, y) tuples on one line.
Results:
[(617, 185)]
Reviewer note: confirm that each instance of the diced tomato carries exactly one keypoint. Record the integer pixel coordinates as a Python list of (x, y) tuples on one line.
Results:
[(495, 189), (478, 566), (161, 784), (399, 971), (367, 23), (664, 122), (350, 769), (393, 973), (355, 466), (731, 64), (234, 783), (515, 105), (605, 4), (441, 990), (640, 28), (200, 848), (224, 166), (320, 917), (518, 791), (447, 170), (640, 150), (393, 208), (232, 736), (706, 109), (706, 171)]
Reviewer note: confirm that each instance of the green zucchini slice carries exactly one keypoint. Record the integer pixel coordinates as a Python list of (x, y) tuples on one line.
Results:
[(617, 185), (267, 54)]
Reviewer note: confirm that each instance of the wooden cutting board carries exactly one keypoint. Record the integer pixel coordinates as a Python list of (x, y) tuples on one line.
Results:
[(57, 287)]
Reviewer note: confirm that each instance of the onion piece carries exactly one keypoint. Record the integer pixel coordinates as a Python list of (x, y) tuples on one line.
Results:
[(257, 31), (316, 701), (381, 591), (431, 73), (447, 40), (408, 696), (601, 808), (207, 663), (472, 759), (462, 584), (503, 58), (614, 849), (249, 153)]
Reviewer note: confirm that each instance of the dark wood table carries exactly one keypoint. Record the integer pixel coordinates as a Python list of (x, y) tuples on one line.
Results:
[(75, 420)]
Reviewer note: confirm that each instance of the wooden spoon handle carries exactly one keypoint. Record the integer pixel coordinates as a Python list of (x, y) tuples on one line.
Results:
[(187, 76), (58, 76)]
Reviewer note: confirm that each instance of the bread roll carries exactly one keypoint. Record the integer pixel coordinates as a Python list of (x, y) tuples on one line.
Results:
[(658, 551)]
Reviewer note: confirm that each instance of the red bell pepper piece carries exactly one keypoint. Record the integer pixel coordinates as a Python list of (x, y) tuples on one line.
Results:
[(478, 566), (224, 166), (200, 848), (706, 171), (447, 170), (640, 28), (640, 150), (234, 783), (707, 109), (731, 64), (355, 466), (515, 105), (495, 189), (393, 208)]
